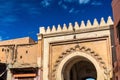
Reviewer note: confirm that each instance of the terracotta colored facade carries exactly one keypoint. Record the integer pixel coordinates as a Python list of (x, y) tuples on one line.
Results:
[(19, 59), (116, 14)]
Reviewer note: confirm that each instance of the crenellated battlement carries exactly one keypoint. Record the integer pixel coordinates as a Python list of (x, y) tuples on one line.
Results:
[(76, 26)]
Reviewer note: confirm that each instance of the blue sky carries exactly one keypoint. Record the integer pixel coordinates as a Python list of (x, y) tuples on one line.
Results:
[(21, 18)]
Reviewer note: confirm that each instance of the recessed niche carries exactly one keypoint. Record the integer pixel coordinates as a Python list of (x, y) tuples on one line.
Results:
[(20, 57), (26, 51)]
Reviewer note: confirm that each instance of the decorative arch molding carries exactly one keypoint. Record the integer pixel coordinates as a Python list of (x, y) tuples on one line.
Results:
[(80, 49)]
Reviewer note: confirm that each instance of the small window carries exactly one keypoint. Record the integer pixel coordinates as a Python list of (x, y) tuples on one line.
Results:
[(7, 50), (20, 57), (2, 49), (26, 51)]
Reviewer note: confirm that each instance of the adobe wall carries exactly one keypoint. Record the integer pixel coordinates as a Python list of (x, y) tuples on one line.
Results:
[(26, 56)]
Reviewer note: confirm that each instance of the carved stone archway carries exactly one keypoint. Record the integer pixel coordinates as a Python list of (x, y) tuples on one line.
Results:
[(85, 52)]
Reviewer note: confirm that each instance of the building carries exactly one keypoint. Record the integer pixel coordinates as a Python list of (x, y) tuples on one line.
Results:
[(116, 14), (18, 58), (73, 52)]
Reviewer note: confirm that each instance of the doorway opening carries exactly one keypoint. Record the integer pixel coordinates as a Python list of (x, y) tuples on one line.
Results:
[(90, 78), (79, 69), (3, 71)]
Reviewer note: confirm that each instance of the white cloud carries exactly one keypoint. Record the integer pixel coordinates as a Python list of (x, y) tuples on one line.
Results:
[(84, 1), (71, 10), (45, 3), (0, 38), (60, 3), (96, 3), (64, 6)]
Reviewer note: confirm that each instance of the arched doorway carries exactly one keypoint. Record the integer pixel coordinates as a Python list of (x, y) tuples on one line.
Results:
[(79, 68), (63, 70)]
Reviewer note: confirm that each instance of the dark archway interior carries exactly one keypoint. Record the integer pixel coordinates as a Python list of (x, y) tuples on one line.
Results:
[(81, 70), (3, 72)]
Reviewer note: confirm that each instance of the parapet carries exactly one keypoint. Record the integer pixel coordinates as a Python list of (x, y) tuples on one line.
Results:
[(76, 26), (18, 41)]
